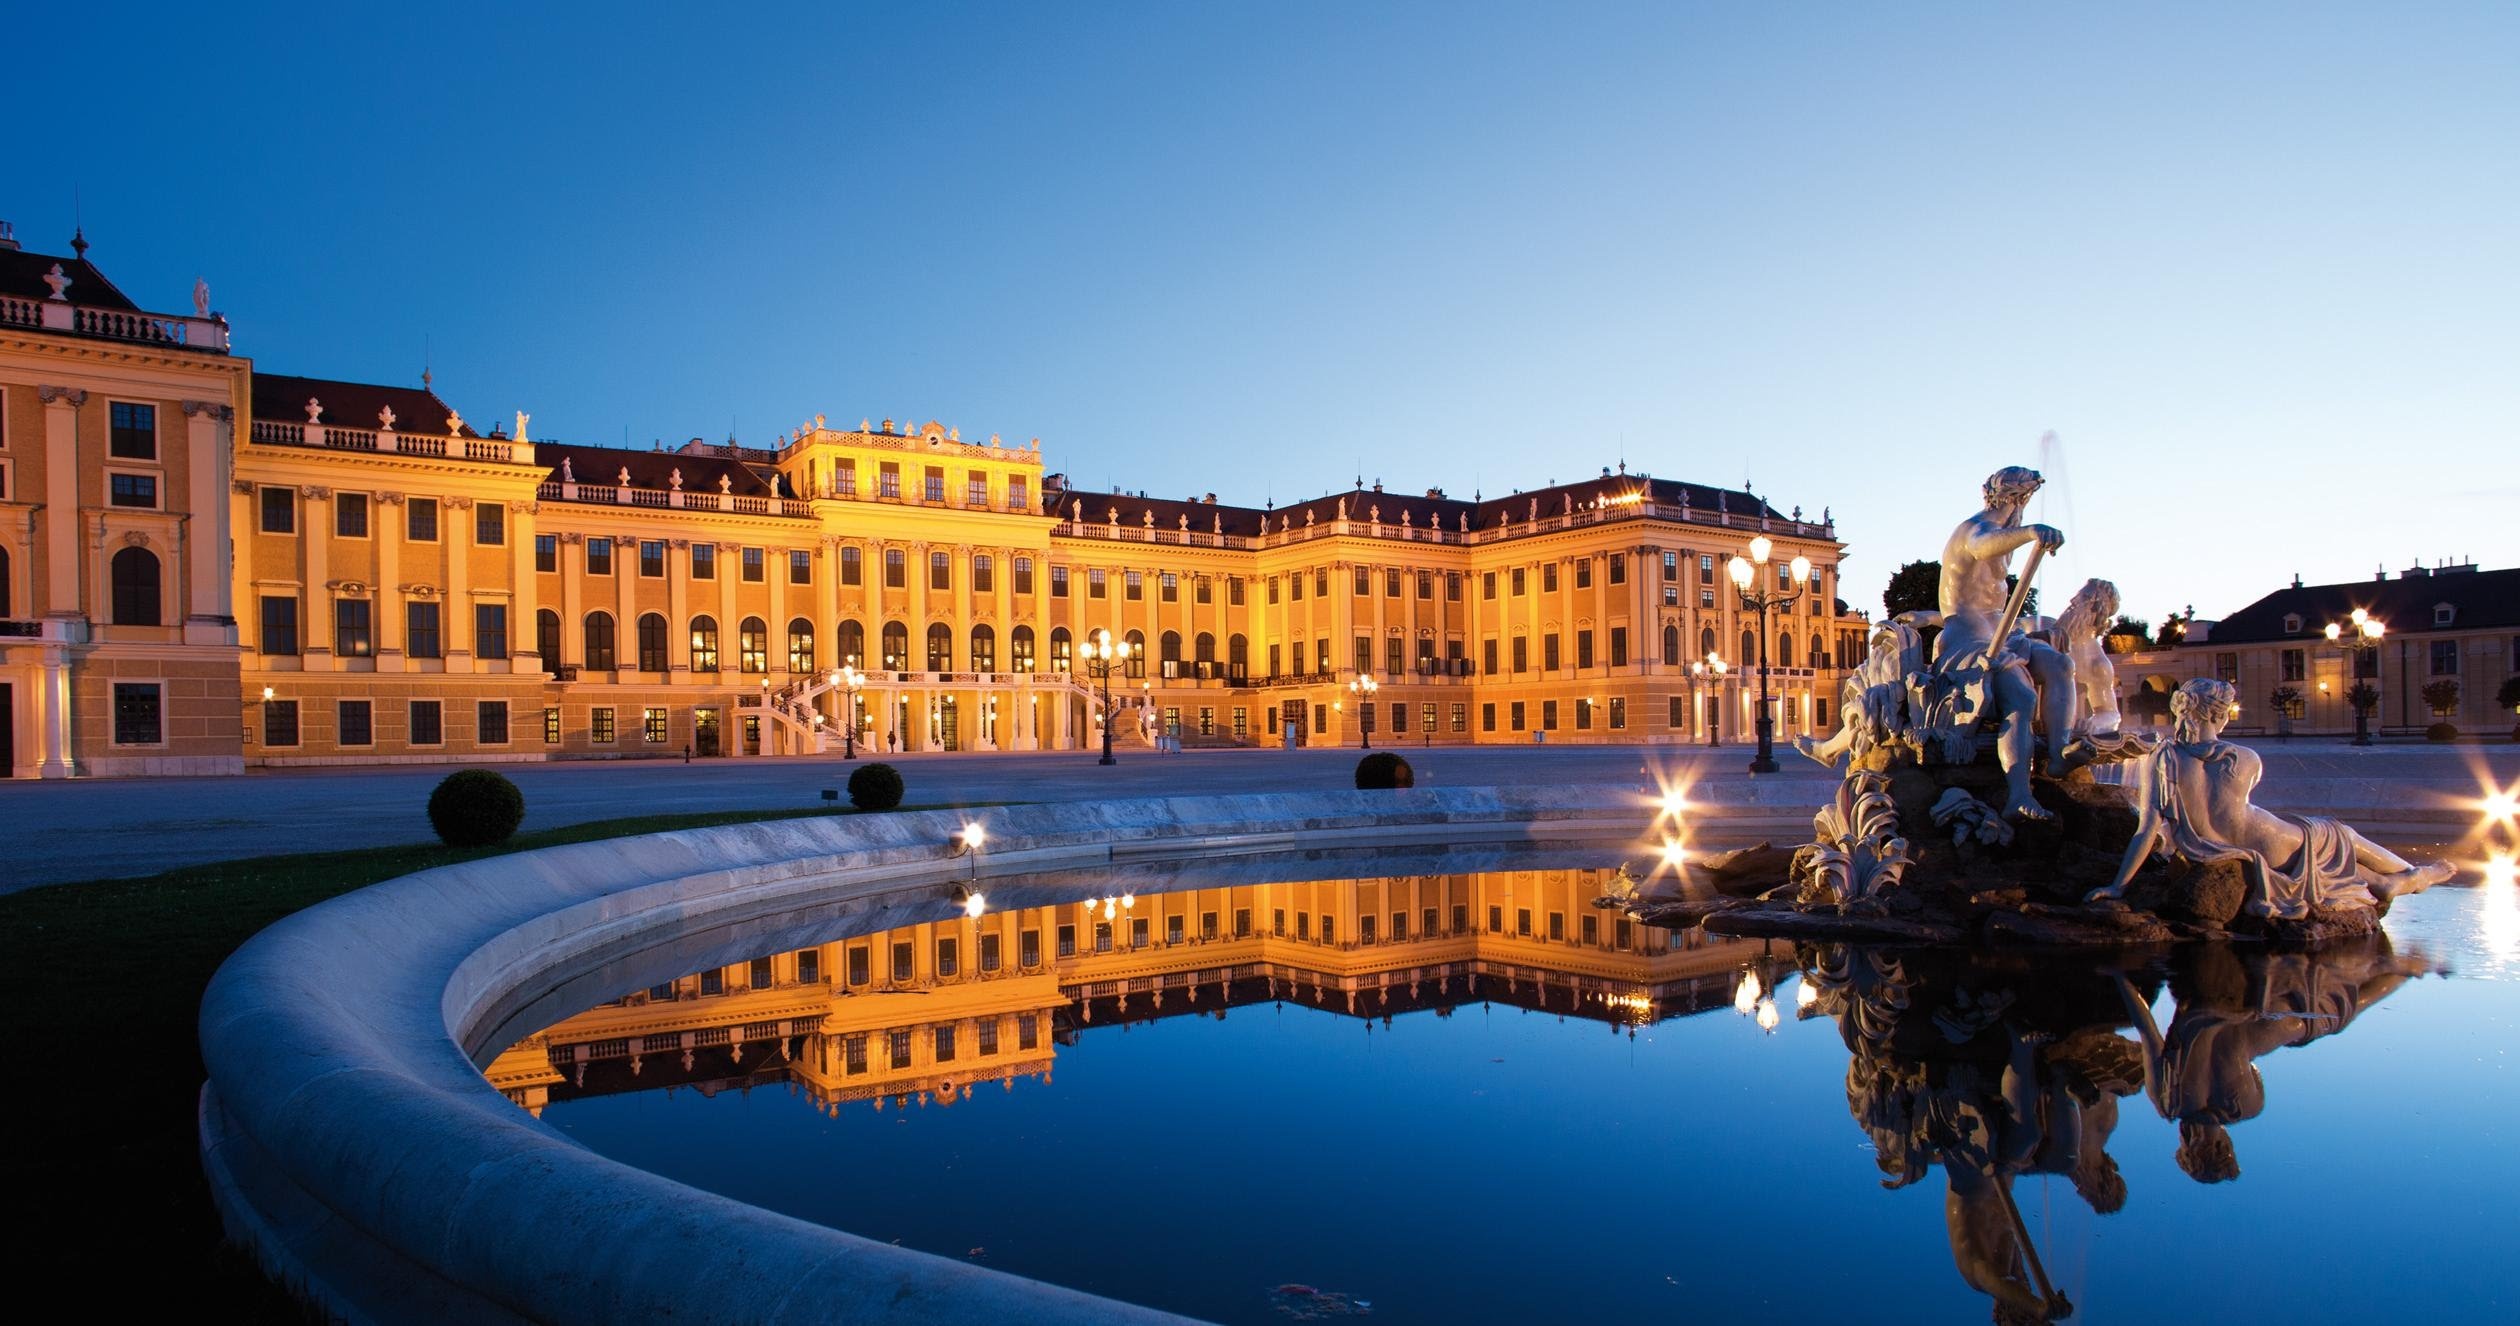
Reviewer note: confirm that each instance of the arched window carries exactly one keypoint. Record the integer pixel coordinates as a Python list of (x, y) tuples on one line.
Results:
[(1172, 653), (940, 647), (800, 645), (896, 647), (1671, 645), (752, 645), (1749, 648), (1819, 651), (1137, 653), (1237, 656), (599, 641), (852, 644), (4, 582), (1784, 649), (1203, 652), (547, 637), (983, 649), (704, 656), (651, 642), (1019, 647), (135, 572), (1062, 650), (1706, 641)]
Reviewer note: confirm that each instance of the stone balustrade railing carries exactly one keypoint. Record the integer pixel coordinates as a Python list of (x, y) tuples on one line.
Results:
[(1194, 537), (280, 433), (672, 499), (115, 324)]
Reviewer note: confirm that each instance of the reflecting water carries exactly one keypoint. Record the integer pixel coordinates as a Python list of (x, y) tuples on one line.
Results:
[(1478, 1097)]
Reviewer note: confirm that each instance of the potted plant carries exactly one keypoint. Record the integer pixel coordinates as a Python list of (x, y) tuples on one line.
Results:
[(2443, 697), (2286, 701)]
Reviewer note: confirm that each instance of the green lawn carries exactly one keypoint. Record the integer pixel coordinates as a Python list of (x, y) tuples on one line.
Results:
[(103, 981)]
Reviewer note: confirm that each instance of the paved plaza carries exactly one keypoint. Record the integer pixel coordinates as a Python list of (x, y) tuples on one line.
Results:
[(105, 828)]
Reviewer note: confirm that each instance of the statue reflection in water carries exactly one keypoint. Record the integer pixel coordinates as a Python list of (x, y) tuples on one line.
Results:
[(1990, 1068)]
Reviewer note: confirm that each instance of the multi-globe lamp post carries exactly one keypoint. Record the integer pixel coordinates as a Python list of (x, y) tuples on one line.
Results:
[(1363, 689), (2359, 636), (850, 681), (1102, 654), (1747, 572), (1709, 670)]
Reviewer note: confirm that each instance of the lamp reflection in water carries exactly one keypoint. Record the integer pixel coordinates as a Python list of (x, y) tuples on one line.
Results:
[(2498, 919)]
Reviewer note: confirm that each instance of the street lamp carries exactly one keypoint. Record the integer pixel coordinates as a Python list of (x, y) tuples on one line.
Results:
[(2359, 636), (851, 681), (1102, 654), (1747, 571), (1363, 689), (1711, 670)]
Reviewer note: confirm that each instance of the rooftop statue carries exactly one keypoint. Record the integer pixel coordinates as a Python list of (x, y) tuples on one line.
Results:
[(201, 297), (385, 419)]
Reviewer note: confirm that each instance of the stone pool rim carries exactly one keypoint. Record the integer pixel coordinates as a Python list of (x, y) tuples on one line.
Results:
[(353, 1146)]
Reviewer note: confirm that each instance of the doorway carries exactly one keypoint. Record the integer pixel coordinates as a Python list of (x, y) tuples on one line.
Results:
[(949, 723), (704, 731)]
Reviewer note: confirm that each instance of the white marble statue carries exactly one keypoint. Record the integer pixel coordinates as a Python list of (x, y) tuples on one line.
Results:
[(59, 281), (568, 472), (2022, 682), (2079, 631), (2193, 804), (1872, 701), (522, 419), (201, 297), (385, 419), (314, 410)]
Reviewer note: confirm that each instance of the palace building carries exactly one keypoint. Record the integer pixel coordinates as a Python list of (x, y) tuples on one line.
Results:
[(205, 566)]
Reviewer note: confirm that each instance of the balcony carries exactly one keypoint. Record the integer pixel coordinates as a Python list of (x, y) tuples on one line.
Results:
[(670, 499), (498, 450), (166, 329)]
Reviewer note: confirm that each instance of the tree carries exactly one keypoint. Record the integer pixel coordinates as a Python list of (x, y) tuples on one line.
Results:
[(2286, 701), (2509, 696), (2128, 634), (2365, 697), (2442, 695), (1916, 587)]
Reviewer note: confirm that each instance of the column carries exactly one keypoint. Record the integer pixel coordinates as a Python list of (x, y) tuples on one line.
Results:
[(524, 647), (572, 602), (61, 512), (1376, 580), (56, 715), (776, 572), (625, 574), (915, 579), (387, 527), (456, 536), (210, 599), (315, 544), (678, 618)]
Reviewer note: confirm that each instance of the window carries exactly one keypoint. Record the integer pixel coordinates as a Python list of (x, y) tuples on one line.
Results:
[(2296, 665), (1364, 581), (1618, 646), (1487, 717), (1460, 718), (1583, 713), (134, 435), (490, 523), (800, 643), (1618, 568), (753, 566), (551, 726), (1522, 653), (138, 716), (280, 722), (898, 1047), (350, 515), (934, 486), (1548, 578), (491, 723), (976, 490), (1023, 575), (1583, 574), (1518, 714), (1097, 583), (599, 727), (704, 644), (1321, 583), (1171, 588), (1487, 655), (1058, 582), (651, 642), (1706, 568), (852, 566), (1027, 1031), (354, 723), (1618, 712), (279, 625), (547, 637), (1028, 948), (279, 510), (888, 479), (133, 490), (940, 647), (2227, 667), (896, 646), (2445, 658), (599, 641), (752, 645), (896, 570), (1549, 715), (948, 957), (1583, 648), (599, 557), (940, 570), (420, 628), (800, 566), (2444, 614), (651, 559), (983, 649), (490, 630), (652, 726), (713, 982), (420, 522), (1015, 500), (1136, 585), (704, 561), (428, 723), (761, 975), (992, 952), (353, 632)]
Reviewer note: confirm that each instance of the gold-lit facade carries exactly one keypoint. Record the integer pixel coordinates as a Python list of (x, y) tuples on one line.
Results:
[(929, 1012), (369, 577)]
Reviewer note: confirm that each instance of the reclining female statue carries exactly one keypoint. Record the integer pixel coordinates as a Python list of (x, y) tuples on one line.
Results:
[(2193, 804)]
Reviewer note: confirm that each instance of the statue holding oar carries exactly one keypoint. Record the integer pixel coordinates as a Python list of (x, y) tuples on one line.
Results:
[(1986, 671)]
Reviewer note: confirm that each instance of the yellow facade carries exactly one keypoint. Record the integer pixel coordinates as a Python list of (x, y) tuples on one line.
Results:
[(404, 587), (929, 1012)]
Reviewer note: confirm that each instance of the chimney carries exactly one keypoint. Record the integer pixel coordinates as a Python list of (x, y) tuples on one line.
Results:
[(8, 237)]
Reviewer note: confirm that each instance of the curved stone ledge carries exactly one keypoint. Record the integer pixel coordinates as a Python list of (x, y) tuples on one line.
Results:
[(352, 1143)]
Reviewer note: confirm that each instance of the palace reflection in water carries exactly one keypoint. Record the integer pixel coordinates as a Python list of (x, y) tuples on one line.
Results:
[(1992, 1070), (928, 1012)]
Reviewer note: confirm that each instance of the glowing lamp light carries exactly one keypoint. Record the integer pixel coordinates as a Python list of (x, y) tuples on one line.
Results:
[(1739, 569), (1801, 567), (1675, 853), (1128, 901), (1768, 1016), (2502, 807), (973, 836), (974, 904), (2335, 632), (1746, 995), (269, 693), (1760, 547)]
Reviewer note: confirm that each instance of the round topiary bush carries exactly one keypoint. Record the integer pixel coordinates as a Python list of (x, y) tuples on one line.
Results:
[(1384, 769), (2442, 732), (475, 808), (875, 787)]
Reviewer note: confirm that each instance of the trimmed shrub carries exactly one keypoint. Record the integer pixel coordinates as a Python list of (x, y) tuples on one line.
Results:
[(875, 787), (2442, 732), (1384, 769), (475, 808)]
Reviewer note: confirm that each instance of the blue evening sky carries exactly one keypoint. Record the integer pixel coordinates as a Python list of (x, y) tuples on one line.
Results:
[(2255, 266)]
